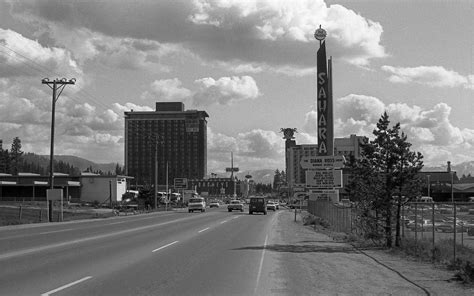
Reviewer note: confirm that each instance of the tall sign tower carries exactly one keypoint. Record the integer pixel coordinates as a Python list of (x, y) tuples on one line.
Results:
[(324, 98), (323, 172)]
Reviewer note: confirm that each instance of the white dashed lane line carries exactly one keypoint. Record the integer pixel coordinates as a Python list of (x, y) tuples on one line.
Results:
[(202, 230), (223, 221), (66, 286), (160, 248)]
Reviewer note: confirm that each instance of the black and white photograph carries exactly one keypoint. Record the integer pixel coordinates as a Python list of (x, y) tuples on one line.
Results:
[(236, 147)]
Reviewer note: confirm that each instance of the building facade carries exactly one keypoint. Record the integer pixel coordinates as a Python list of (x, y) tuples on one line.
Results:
[(173, 137), (296, 174), (86, 187)]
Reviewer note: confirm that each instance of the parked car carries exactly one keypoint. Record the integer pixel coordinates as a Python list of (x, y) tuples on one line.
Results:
[(235, 205), (257, 205), (448, 227)]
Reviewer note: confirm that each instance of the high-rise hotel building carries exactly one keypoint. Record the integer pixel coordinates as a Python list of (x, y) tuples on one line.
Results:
[(180, 138)]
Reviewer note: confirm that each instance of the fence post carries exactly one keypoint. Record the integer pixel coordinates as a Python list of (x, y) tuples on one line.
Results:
[(416, 233), (433, 230), (454, 241), (20, 213), (41, 215)]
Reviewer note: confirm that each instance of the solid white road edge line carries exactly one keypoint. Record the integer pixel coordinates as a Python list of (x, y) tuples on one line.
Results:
[(222, 222), (66, 286), (164, 246), (203, 229), (261, 265)]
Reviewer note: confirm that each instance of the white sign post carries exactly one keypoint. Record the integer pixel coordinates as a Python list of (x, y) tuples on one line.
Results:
[(55, 194)]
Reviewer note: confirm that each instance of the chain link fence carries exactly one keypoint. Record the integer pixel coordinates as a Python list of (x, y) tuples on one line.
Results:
[(419, 221)]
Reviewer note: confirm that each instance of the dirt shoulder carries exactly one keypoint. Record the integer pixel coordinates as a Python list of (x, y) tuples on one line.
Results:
[(303, 261)]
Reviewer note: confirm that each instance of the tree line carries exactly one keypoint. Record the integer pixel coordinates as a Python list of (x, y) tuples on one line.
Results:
[(14, 161)]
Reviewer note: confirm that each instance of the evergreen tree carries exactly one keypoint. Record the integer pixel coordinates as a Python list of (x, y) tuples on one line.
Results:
[(15, 156), (383, 179), (119, 170), (276, 179), (4, 161)]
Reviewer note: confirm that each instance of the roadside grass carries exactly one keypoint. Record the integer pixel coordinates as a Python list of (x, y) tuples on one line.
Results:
[(420, 249)]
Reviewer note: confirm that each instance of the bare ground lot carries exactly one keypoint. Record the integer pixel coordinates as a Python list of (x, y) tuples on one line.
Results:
[(325, 266)]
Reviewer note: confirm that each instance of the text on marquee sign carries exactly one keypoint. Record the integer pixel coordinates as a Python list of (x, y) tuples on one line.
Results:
[(322, 162)]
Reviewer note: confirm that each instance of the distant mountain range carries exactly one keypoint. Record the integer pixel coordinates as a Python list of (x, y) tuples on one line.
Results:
[(80, 163), (464, 168), (264, 176)]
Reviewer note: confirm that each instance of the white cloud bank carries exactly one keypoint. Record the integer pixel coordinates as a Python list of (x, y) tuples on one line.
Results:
[(20, 56), (429, 130), (433, 76), (294, 22), (225, 90)]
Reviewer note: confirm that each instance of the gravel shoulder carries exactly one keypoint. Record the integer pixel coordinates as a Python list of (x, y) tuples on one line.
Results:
[(302, 261)]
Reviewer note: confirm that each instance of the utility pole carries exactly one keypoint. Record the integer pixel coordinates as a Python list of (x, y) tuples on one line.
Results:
[(57, 86), (156, 176)]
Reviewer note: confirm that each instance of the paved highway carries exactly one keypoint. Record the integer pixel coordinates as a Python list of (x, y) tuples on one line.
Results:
[(211, 253), (175, 253)]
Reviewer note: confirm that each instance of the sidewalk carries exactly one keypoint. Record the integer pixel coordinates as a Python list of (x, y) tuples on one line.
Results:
[(305, 260)]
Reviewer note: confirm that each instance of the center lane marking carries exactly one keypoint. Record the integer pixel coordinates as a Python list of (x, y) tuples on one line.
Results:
[(160, 248), (203, 229), (66, 286)]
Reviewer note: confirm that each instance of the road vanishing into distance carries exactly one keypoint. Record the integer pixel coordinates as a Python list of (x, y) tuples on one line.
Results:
[(181, 253), (174, 253)]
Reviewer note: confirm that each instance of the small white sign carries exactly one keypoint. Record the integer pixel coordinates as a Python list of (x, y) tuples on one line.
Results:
[(322, 162), (54, 194)]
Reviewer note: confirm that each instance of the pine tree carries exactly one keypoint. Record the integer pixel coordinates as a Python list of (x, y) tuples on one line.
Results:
[(383, 179), (15, 156)]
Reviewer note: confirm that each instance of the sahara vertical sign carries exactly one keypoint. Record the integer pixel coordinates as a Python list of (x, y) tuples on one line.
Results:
[(322, 101)]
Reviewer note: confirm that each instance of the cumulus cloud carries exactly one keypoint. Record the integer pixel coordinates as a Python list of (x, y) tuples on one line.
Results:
[(80, 127), (294, 22), (255, 149), (225, 90), (429, 130), (167, 90), (254, 30), (23, 57), (123, 53), (311, 122), (434, 76)]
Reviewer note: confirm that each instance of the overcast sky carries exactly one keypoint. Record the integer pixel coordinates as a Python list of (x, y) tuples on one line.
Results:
[(251, 65)]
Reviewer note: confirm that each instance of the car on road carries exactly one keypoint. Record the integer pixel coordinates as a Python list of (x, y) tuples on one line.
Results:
[(276, 203), (196, 204), (235, 205), (271, 206), (257, 204), (214, 204)]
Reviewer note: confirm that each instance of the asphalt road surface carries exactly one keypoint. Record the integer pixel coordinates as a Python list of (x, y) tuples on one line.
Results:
[(175, 253), (211, 253)]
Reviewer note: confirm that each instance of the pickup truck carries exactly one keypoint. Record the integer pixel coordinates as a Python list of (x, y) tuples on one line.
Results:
[(235, 205)]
